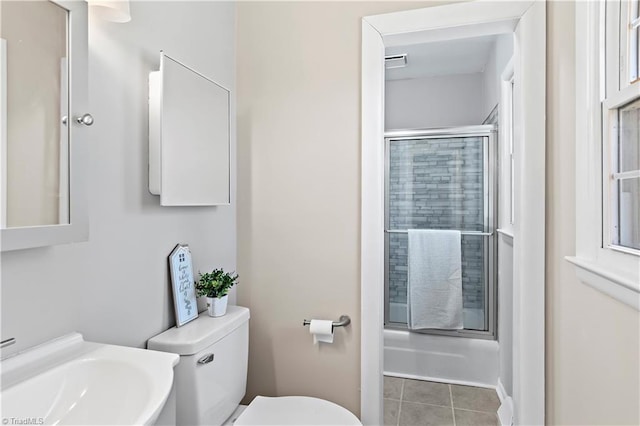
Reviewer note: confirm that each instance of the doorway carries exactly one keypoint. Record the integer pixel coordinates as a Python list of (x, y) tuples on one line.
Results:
[(527, 22)]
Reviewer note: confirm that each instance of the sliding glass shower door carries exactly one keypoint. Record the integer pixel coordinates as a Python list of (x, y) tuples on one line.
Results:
[(442, 179)]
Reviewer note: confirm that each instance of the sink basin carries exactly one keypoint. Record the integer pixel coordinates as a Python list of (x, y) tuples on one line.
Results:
[(70, 381)]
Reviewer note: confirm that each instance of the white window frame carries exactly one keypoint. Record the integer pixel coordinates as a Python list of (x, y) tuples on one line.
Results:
[(611, 269), (506, 196), (610, 176), (512, 165), (620, 87)]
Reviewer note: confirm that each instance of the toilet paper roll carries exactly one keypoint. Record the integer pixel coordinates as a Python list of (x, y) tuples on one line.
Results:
[(322, 331)]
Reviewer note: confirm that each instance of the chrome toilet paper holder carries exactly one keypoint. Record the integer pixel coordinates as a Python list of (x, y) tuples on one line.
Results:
[(343, 321)]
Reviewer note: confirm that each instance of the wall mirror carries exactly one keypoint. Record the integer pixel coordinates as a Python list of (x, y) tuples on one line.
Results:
[(43, 120)]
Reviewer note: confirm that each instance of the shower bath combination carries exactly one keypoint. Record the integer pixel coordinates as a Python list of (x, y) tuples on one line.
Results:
[(443, 179)]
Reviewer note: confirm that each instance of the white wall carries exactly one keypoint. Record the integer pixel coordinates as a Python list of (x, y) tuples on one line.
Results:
[(491, 89), (448, 100), (114, 288), (441, 101), (497, 61), (505, 311), (299, 191)]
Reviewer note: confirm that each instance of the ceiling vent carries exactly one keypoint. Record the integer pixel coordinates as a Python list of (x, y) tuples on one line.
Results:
[(395, 61)]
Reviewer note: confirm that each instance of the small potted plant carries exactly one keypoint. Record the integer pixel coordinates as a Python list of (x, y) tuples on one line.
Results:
[(215, 286)]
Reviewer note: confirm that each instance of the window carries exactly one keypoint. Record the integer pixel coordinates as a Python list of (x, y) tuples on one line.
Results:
[(512, 173), (634, 42), (621, 125), (506, 196), (608, 148), (625, 178)]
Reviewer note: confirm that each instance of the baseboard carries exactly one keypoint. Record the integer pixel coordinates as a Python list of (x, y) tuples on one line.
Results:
[(439, 380), (502, 393), (505, 412)]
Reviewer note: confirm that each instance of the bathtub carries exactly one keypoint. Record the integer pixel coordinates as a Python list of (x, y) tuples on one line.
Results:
[(457, 360)]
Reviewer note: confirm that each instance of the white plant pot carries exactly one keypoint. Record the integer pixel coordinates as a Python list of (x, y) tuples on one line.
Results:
[(217, 307)]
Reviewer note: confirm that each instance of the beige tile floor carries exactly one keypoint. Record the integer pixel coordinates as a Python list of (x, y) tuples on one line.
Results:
[(414, 402)]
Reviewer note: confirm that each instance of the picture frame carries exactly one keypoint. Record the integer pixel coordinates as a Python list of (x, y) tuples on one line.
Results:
[(183, 285)]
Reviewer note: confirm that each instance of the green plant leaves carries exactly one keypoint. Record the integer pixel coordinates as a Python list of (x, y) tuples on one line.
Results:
[(216, 283)]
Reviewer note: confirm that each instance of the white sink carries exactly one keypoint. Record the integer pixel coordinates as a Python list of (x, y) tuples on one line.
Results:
[(70, 381)]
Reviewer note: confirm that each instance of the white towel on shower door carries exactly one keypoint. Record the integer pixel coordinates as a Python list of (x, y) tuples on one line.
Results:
[(434, 285)]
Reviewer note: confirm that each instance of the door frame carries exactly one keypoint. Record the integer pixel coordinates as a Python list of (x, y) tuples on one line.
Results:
[(527, 20)]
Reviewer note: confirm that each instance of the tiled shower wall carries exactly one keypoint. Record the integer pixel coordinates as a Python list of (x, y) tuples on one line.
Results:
[(437, 184)]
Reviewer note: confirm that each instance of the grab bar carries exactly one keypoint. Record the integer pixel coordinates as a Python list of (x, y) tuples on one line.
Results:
[(404, 231), (343, 321)]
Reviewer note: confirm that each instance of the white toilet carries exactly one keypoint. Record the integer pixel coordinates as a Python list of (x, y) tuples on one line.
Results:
[(211, 378)]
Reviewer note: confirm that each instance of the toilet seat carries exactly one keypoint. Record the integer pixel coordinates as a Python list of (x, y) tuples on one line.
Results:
[(295, 410)]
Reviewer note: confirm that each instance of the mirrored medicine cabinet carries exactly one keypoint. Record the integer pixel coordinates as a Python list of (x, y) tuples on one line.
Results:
[(43, 123), (189, 137)]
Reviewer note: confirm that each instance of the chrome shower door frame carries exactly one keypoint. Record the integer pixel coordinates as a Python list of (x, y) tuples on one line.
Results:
[(489, 140)]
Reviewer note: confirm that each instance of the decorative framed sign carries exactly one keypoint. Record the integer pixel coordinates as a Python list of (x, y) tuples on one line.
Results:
[(184, 292)]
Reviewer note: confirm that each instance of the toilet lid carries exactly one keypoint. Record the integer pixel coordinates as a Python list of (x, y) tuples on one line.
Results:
[(295, 410)]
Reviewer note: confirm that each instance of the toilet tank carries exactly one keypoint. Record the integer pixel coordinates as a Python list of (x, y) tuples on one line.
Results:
[(211, 377)]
